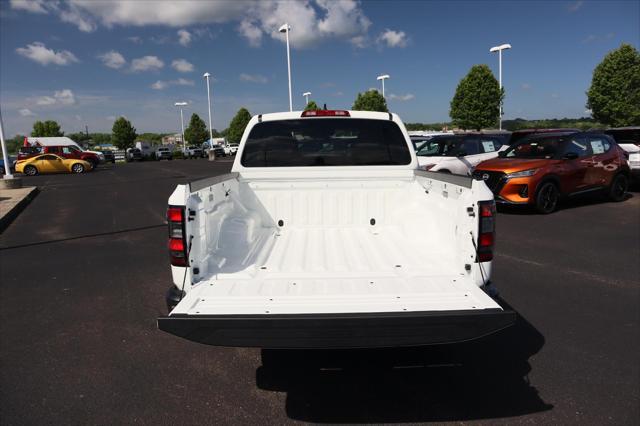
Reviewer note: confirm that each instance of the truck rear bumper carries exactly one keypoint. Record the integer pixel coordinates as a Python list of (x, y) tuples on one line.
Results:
[(361, 330)]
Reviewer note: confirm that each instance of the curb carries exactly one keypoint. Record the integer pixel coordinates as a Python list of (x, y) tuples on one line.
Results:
[(9, 217)]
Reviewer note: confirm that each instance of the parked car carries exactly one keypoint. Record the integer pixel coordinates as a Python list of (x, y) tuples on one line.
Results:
[(628, 138), (109, 156), (218, 150), (64, 141), (312, 242), (541, 169), (457, 154), (230, 149), (65, 151), (51, 163), (523, 133), (134, 154), (164, 153), (192, 151), (12, 163)]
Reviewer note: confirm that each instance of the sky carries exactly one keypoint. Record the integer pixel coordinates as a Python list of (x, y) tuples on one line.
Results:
[(83, 63)]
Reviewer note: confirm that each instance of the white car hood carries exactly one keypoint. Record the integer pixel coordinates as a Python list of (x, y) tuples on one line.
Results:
[(629, 147)]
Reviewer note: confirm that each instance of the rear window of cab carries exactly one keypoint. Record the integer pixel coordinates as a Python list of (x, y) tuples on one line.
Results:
[(325, 142)]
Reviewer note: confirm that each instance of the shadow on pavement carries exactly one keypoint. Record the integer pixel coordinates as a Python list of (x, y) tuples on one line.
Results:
[(484, 379), (566, 204)]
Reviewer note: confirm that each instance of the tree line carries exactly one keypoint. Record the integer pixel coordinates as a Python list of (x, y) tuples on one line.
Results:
[(124, 135)]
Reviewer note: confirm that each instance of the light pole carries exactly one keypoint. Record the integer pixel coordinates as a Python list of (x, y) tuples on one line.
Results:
[(286, 29), (383, 78), (206, 77), (306, 98), (180, 105), (5, 155), (499, 49)]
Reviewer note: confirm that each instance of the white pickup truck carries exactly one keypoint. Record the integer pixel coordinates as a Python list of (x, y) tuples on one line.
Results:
[(325, 235)]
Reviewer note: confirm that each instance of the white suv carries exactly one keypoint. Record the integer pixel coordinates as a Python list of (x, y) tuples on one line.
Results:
[(457, 154)]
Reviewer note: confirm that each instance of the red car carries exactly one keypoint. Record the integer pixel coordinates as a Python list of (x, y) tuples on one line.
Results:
[(66, 151)]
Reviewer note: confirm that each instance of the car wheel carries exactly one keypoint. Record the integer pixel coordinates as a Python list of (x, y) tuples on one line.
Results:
[(30, 171), (618, 188), (547, 198), (77, 168)]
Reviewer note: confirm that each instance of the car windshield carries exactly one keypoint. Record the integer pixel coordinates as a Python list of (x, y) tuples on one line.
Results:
[(548, 148), (325, 142), (445, 147)]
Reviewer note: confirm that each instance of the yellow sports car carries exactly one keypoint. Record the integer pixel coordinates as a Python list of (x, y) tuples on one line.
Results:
[(51, 163)]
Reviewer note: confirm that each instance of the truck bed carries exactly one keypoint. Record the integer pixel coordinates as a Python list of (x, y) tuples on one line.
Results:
[(333, 262), (329, 270)]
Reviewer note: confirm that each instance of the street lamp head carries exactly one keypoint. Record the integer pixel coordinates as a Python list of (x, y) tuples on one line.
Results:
[(306, 94), (383, 77), (284, 28), (206, 75), (181, 104), (501, 47)]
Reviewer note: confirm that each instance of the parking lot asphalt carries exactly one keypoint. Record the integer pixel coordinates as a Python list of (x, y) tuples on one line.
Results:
[(84, 269)]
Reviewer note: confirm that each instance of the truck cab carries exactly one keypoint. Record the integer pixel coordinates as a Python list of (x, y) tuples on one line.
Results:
[(326, 235)]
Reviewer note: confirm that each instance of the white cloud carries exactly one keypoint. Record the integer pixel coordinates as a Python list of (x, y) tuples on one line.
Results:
[(255, 78), (65, 97), (45, 100), (147, 63), (161, 85), (402, 98), (251, 32), (61, 97), (526, 86), (575, 6), (74, 15), (184, 37), (359, 41), (315, 20), (39, 53), (182, 65), (33, 6), (555, 95), (392, 38), (77, 117), (25, 112), (112, 59)]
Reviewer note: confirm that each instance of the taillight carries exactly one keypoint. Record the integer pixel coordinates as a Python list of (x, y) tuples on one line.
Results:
[(177, 246), (486, 231), (326, 113), (428, 166)]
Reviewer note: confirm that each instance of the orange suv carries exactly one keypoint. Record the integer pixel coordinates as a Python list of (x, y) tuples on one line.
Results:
[(541, 169)]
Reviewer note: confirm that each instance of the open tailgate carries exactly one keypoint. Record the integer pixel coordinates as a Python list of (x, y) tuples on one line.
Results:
[(276, 314)]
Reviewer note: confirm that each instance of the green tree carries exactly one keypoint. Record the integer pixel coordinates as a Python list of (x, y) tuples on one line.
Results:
[(371, 100), (614, 95), (476, 103), (123, 134), (311, 106), (237, 125), (14, 144), (45, 129), (197, 132)]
